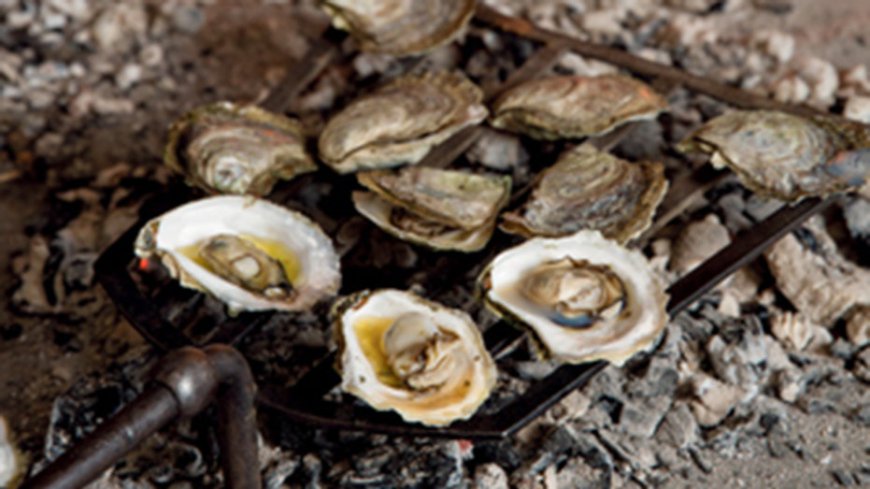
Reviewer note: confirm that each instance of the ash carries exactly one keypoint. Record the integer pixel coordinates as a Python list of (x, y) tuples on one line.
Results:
[(758, 383)]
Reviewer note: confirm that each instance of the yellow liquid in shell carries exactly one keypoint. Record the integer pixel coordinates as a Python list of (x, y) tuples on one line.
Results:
[(277, 250), (370, 333)]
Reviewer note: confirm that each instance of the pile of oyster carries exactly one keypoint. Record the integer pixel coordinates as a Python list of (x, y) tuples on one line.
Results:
[(575, 283)]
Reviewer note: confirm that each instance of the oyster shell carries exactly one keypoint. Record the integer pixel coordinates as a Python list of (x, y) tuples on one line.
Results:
[(590, 189), (249, 253), (401, 352), (575, 106), (441, 209), (236, 149), (785, 156), (584, 297), (401, 27), (400, 122)]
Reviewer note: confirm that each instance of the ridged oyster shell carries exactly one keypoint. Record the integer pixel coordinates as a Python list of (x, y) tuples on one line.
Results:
[(441, 209), (400, 122), (590, 189), (583, 297), (404, 353), (184, 237), (785, 156), (561, 107), (401, 27), (236, 149)]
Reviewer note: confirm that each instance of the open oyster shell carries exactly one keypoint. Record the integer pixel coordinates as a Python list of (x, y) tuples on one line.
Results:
[(423, 360), (400, 122), (584, 297), (785, 156), (249, 253), (234, 149), (401, 27), (560, 107), (590, 189), (441, 209)]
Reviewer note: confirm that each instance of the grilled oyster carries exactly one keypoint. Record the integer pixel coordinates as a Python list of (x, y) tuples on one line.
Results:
[(401, 27), (400, 352), (785, 156), (249, 253), (575, 106), (400, 122), (442, 209), (228, 148), (584, 297), (590, 189)]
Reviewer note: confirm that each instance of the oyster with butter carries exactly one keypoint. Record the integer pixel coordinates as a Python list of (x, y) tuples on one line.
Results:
[(583, 297), (441, 209), (567, 107), (591, 189), (250, 254), (416, 357), (400, 122)]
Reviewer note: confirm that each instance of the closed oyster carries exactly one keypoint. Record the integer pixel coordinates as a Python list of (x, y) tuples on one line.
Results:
[(575, 106), (785, 156), (590, 189), (441, 209), (233, 149), (584, 297), (400, 122), (400, 352), (401, 27), (250, 254)]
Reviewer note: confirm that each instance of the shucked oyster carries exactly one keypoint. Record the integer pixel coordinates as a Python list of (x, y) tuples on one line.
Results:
[(441, 209), (249, 253), (401, 27), (575, 106), (590, 189), (233, 149), (400, 122), (785, 156), (400, 352), (584, 297)]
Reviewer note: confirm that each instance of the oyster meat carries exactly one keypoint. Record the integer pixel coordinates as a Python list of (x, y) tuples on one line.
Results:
[(400, 122), (590, 189), (583, 297), (401, 27), (249, 253), (236, 149), (785, 156), (401, 352), (560, 107), (441, 209)]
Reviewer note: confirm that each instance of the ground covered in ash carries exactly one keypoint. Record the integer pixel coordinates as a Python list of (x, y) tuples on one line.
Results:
[(756, 385)]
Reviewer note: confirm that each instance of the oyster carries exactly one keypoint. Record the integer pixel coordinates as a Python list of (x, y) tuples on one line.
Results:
[(575, 106), (401, 27), (400, 352), (400, 122), (236, 149), (584, 297), (590, 189), (249, 253), (442, 209), (785, 156)]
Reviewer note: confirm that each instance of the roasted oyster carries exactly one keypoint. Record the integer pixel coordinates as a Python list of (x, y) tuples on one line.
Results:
[(249, 253), (233, 149), (400, 352), (400, 122), (560, 107), (590, 189), (584, 297), (441, 209), (401, 27), (785, 156)]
